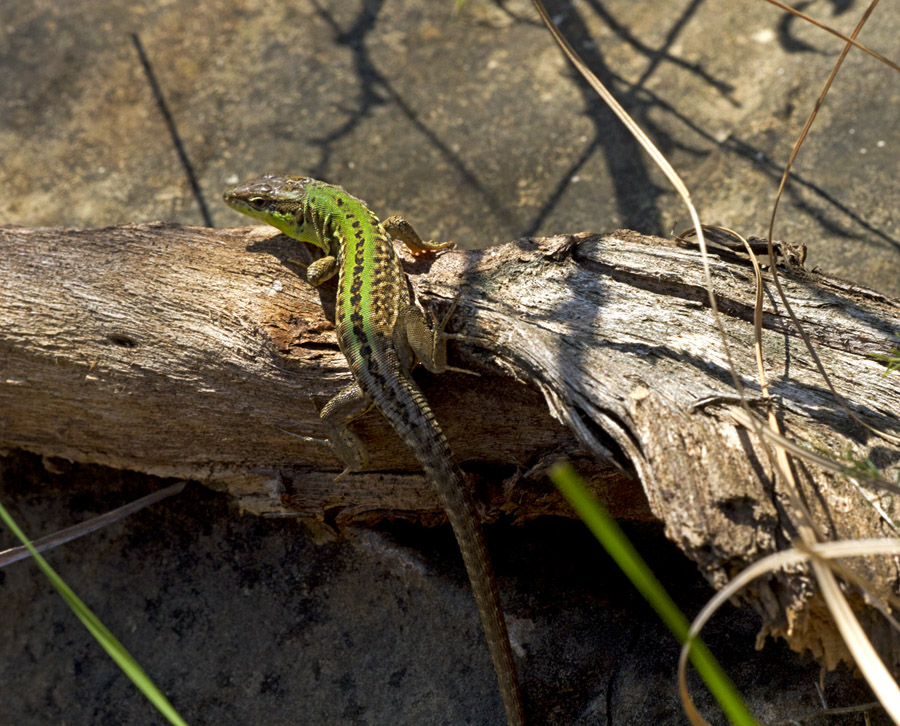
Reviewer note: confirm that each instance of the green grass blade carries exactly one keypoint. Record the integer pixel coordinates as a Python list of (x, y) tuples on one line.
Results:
[(892, 360), (613, 539), (106, 639)]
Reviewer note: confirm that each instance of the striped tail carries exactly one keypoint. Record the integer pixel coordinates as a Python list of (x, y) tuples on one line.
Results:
[(404, 405)]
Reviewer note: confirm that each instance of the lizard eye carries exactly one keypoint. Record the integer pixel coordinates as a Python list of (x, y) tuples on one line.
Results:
[(257, 202)]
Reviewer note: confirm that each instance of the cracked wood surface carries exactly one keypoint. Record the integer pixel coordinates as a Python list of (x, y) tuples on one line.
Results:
[(202, 354)]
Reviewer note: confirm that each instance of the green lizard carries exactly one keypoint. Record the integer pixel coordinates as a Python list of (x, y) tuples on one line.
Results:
[(382, 334)]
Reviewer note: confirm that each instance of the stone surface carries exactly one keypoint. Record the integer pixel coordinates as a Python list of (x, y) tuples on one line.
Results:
[(243, 620), (472, 124)]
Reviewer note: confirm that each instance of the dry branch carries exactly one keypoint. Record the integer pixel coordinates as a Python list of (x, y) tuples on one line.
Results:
[(202, 354)]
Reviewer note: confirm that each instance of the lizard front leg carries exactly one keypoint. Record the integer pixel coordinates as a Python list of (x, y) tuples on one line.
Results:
[(401, 230), (321, 270), (350, 403)]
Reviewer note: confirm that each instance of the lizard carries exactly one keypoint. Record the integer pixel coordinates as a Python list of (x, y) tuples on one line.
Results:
[(383, 335)]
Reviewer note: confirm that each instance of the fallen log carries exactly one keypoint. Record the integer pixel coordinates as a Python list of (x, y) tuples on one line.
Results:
[(203, 354)]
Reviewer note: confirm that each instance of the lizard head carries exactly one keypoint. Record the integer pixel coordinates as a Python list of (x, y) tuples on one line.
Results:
[(273, 199)]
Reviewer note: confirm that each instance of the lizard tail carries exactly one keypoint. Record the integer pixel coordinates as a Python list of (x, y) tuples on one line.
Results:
[(416, 425), (467, 527)]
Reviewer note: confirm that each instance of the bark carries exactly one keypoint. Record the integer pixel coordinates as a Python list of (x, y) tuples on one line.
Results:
[(203, 354)]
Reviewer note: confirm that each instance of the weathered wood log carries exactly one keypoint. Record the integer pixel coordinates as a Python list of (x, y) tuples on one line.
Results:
[(190, 353), (202, 354)]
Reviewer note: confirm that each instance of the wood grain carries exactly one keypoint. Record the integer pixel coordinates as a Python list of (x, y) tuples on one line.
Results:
[(203, 354)]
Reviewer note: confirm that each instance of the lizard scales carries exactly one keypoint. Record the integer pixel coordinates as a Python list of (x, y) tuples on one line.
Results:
[(383, 335)]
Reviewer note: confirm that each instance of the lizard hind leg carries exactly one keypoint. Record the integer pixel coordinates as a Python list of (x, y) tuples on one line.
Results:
[(428, 344), (350, 403)]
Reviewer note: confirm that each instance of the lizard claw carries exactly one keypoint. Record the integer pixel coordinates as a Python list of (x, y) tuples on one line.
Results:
[(462, 370), (343, 474)]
